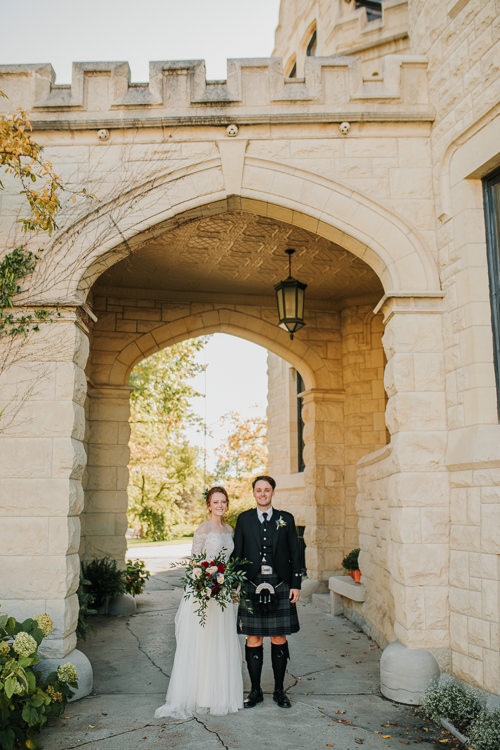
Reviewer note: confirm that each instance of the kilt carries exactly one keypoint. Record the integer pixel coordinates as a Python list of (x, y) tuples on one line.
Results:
[(282, 620)]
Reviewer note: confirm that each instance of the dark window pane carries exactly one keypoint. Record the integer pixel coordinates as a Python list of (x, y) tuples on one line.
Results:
[(491, 187), (300, 425), (311, 47)]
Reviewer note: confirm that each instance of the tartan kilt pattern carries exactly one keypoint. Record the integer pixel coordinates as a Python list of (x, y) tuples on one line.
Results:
[(282, 620)]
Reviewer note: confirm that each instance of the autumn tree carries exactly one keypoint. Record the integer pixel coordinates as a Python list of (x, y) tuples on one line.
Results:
[(241, 456), (165, 476)]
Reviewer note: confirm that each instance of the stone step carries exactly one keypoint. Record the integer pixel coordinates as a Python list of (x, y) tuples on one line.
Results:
[(322, 601)]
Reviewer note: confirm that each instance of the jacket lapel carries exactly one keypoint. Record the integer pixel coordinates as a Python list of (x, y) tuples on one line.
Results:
[(276, 528), (255, 523)]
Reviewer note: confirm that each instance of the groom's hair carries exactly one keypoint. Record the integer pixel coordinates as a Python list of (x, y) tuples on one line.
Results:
[(264, 478)]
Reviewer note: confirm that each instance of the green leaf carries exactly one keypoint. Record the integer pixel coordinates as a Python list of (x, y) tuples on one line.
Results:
[(30, 676), (10, 685), (10, 627), (37, 700)]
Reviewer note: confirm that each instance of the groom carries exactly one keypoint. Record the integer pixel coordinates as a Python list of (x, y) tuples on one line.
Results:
[(267, 538)]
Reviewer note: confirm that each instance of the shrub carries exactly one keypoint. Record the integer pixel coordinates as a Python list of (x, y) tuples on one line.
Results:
[(136, 577), (28, 699), (452, 701), (350, 561), (484, 732), (85, 608), (105, 580)]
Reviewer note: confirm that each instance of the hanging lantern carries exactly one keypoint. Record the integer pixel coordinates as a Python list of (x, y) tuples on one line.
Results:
[(290, 299)]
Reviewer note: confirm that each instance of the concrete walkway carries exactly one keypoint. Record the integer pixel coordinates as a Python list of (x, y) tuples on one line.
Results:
[(333, 683)]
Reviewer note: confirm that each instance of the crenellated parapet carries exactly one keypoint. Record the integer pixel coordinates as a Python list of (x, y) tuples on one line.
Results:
[(333, 89)]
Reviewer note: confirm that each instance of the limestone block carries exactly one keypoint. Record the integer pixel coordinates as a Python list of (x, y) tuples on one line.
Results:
[(416, 450), (435, 525), (459, 568), (39, 576), (465, 602), (479, 632), (99, 524), (68, 458), (420, 564), (491, 667), (405, 673), (24, 533), (490, 525), (420, 489), (467, 668), (405, 525), (458, 632), (25, 457), (102, 478), (71, 382), (109, 409), (102, 501), (107, 455), (64, 613), (102, 546), (465, 537), (102, 433), (416, 411), (64, 535), (490, 600), (436, 608)]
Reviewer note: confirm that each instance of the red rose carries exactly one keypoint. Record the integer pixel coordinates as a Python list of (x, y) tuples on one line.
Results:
[(221, 568), (215, 590), (205, 565), (211, 563)]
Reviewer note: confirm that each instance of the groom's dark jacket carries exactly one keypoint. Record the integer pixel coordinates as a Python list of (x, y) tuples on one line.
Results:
[(286, 557)]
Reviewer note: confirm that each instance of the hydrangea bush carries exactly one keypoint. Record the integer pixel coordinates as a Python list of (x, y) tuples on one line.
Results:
[(27, 698)]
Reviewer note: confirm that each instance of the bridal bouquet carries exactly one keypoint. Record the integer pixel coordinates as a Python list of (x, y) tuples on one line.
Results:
[(216, 580)]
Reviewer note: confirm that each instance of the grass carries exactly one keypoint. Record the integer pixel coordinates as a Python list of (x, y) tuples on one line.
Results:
[(144, 543)]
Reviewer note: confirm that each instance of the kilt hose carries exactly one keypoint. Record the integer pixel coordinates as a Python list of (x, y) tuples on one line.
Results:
[(282, 618)]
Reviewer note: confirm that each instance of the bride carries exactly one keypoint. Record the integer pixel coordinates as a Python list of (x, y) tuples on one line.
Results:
[(206, 676)]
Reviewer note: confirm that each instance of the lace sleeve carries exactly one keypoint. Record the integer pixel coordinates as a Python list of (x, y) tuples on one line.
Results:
[(199, 542)]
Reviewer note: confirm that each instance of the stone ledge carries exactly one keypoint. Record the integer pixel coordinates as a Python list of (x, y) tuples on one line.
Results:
[(344, 586)]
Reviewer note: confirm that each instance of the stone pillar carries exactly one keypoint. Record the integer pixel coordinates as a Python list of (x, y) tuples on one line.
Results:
[(104, 521), (42, 459), (323, 412), (418, 495)]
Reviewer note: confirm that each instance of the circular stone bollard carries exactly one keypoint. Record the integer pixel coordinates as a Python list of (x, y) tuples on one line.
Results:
[(406, 673), (83, 667)]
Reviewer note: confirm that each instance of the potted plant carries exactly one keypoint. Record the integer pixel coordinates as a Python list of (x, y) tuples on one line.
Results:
[(350, 563)]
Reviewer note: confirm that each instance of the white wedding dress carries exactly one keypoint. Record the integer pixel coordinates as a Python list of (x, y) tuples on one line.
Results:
[(206, 676)]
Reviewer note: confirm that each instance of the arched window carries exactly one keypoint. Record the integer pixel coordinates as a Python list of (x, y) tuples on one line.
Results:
[(293, 71), (311, 47)]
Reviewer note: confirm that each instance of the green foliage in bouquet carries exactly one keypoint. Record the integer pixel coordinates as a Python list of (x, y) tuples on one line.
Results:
[(350, 561), (136, 576), (105, 580), (28, 699), (217, 580)]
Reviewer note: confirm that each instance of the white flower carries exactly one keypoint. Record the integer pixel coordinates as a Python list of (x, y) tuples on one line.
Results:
[(220, 578), (24, 644), (196, 572), (67, 672), (211, 570), (44, 622), (280, 523), (208, 592)]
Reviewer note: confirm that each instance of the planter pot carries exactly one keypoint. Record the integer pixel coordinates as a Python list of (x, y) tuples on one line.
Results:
[(355, 575)]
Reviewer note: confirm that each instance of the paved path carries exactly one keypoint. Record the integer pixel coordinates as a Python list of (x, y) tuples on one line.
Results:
[(333, 682)]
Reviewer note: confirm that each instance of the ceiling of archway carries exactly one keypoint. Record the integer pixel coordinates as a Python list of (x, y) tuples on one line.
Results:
[(238, 254)]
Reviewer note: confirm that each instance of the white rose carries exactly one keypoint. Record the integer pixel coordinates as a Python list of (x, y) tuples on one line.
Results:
[(211, 570), (196, 572), (220, 578)]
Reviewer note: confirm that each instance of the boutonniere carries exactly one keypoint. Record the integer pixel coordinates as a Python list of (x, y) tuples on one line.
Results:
[(280, 523)]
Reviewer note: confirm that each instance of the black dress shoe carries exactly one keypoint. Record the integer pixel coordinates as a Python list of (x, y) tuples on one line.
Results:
[(254, 696), (281, 698)]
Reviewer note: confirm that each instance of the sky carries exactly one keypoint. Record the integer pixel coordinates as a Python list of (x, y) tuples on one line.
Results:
[(60, 32)]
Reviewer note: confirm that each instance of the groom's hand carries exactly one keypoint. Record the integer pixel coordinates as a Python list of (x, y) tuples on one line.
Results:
[(294, 595)]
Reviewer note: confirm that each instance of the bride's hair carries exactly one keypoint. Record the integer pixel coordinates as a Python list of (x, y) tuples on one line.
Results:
[(212, 491)]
